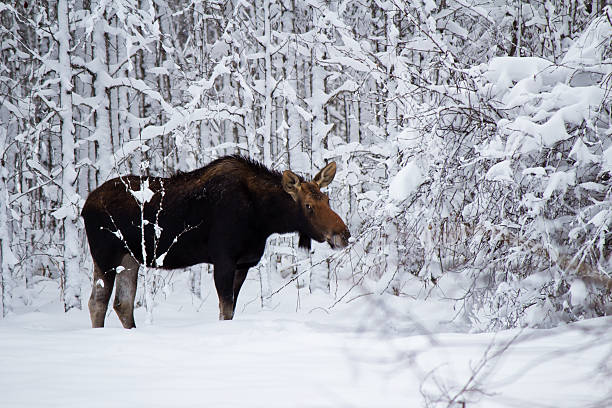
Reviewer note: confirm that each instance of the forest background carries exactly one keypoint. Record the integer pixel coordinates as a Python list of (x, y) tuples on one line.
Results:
[(473, 139)]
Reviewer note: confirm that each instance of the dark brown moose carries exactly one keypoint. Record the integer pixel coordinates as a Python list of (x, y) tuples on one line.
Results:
[(220, 214)]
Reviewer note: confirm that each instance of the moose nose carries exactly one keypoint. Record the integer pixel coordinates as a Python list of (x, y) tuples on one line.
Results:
[(340, 240)]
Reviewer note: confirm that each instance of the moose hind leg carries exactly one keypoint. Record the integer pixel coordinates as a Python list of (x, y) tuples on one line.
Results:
[(125, 291), (100, 295)]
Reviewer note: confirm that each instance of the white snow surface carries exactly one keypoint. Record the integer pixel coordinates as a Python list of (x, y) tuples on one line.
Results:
[(363, 353)]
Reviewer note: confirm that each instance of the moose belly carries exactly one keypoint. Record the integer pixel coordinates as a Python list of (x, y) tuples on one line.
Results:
[(184, 254)]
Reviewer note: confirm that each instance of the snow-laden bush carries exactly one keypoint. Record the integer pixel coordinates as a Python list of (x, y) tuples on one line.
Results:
[(549, 159), (507, 196)]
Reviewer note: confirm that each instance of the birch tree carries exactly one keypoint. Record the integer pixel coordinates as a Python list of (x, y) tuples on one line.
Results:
[(102, 134), (270, 84), (7, 259), (69, 212)]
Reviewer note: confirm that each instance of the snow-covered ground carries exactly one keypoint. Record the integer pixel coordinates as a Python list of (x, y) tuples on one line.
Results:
[(402, 352)]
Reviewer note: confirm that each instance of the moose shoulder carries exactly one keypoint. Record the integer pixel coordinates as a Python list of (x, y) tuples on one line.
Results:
[(220, 214)]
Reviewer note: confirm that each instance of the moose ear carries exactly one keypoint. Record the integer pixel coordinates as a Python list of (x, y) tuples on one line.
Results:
[(291, 183), (326, 175)]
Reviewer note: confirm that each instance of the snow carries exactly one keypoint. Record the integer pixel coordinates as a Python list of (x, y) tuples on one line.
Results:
[(503, 71), (63, 212), (143, 195), (559, 180), (579, 292), (607, 159), (581, 153), (500, 172), (406, 182), (600, 219), (356, 354), (586, 50)]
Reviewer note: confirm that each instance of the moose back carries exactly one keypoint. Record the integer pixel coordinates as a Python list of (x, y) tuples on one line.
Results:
[(220, 214)]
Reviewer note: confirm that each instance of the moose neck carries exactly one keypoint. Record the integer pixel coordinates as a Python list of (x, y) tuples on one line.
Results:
[(281, 212)]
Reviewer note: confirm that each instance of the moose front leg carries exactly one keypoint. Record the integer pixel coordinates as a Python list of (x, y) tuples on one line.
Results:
[(239, 277), (224, 282)]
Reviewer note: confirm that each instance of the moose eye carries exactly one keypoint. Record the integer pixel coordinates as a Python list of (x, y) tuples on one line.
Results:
[(309, 207)]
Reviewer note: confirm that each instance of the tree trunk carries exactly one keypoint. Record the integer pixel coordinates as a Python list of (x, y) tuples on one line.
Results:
[(7, 259), (269, 267), (269, 85), (70, 200), (102, 133)]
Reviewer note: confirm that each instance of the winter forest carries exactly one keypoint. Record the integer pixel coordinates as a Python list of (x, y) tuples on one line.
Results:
[(473, 141)]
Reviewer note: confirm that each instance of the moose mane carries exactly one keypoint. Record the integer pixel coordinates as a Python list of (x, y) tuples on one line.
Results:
[(234, 163), (248, 168)]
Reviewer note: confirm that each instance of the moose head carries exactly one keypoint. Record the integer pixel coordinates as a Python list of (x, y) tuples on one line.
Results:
[(320, 222)]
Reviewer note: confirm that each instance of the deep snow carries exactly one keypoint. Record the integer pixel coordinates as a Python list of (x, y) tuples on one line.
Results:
[(357, 354)]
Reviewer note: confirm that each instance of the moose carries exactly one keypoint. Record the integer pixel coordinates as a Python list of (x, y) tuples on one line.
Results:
[(220, 214)]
